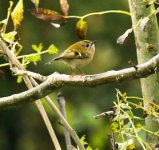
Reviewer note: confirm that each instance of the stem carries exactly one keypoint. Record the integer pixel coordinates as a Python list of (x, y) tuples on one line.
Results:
[(62, 104), (66, 125), (99, 13), (48, 124), (3, 29), (28, 55), (129, 118), (33, 54)]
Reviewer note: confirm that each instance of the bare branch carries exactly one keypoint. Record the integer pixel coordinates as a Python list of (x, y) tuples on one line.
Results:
[(62, 104), (30, 82), (107, 113), (56, 81), (29, 74)]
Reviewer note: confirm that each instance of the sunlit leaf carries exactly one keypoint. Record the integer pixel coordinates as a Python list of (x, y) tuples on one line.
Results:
[(114, 126), (17, 14), (83, 140), (144, 22), (37, 48), (46, 14), (81, 28), (127, 145), (64, 6), (9, 37), (122, 38), (19, 79), (89, 148), (125, 106), (131, 146), (34, 58), (52, 49)]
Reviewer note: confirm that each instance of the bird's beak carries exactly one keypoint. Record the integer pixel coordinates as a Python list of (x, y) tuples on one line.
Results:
[(93, 42)]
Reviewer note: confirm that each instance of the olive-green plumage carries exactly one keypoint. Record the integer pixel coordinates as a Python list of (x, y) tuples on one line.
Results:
[(78, 54)]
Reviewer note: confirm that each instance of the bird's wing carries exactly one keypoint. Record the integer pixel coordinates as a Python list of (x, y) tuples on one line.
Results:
[(73, 54)]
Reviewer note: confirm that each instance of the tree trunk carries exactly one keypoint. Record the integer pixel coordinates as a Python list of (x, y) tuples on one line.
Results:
[(147, 46)]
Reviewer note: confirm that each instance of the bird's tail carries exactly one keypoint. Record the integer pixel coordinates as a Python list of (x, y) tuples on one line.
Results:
[(54, 59)]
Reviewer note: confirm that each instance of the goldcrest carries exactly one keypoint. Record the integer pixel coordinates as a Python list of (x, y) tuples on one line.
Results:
[(78, 54)]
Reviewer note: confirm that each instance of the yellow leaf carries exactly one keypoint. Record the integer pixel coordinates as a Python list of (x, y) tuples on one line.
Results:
[(81, 28), (64, 6), (17, 14)]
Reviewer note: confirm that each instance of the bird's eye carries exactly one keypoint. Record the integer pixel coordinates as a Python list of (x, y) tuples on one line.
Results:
[(87, 45)]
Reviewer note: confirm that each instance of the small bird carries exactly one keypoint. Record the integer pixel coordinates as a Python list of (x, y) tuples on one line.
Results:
[(78, 54)]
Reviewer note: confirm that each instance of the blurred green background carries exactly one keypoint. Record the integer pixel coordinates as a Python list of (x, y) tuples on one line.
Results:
[(22, 128)]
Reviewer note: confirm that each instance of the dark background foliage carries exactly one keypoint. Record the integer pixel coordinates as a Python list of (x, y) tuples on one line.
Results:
[(22, 127)]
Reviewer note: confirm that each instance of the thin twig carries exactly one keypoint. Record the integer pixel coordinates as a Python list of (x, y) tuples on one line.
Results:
[(38, 103), (64, 121), (112, 137), (62, 104), (107, 113), (99, 13), (29, 74)]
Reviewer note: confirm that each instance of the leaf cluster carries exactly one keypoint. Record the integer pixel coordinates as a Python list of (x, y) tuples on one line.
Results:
[(127, 121)]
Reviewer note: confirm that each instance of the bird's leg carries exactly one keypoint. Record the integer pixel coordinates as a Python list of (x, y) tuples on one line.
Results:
[(72, 72), (82, 73)]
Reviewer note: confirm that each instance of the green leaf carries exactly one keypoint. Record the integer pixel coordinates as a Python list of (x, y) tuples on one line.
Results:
[(9, 37), (83, 141), (83, 138), (114, 126), (37, 48), (125, 106), (52, 49), (34, 58), (19, 79), (88, 148)]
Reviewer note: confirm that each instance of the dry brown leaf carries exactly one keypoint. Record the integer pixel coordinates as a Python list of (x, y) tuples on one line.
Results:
[(46, 14), (122, 38), (64, 7)]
